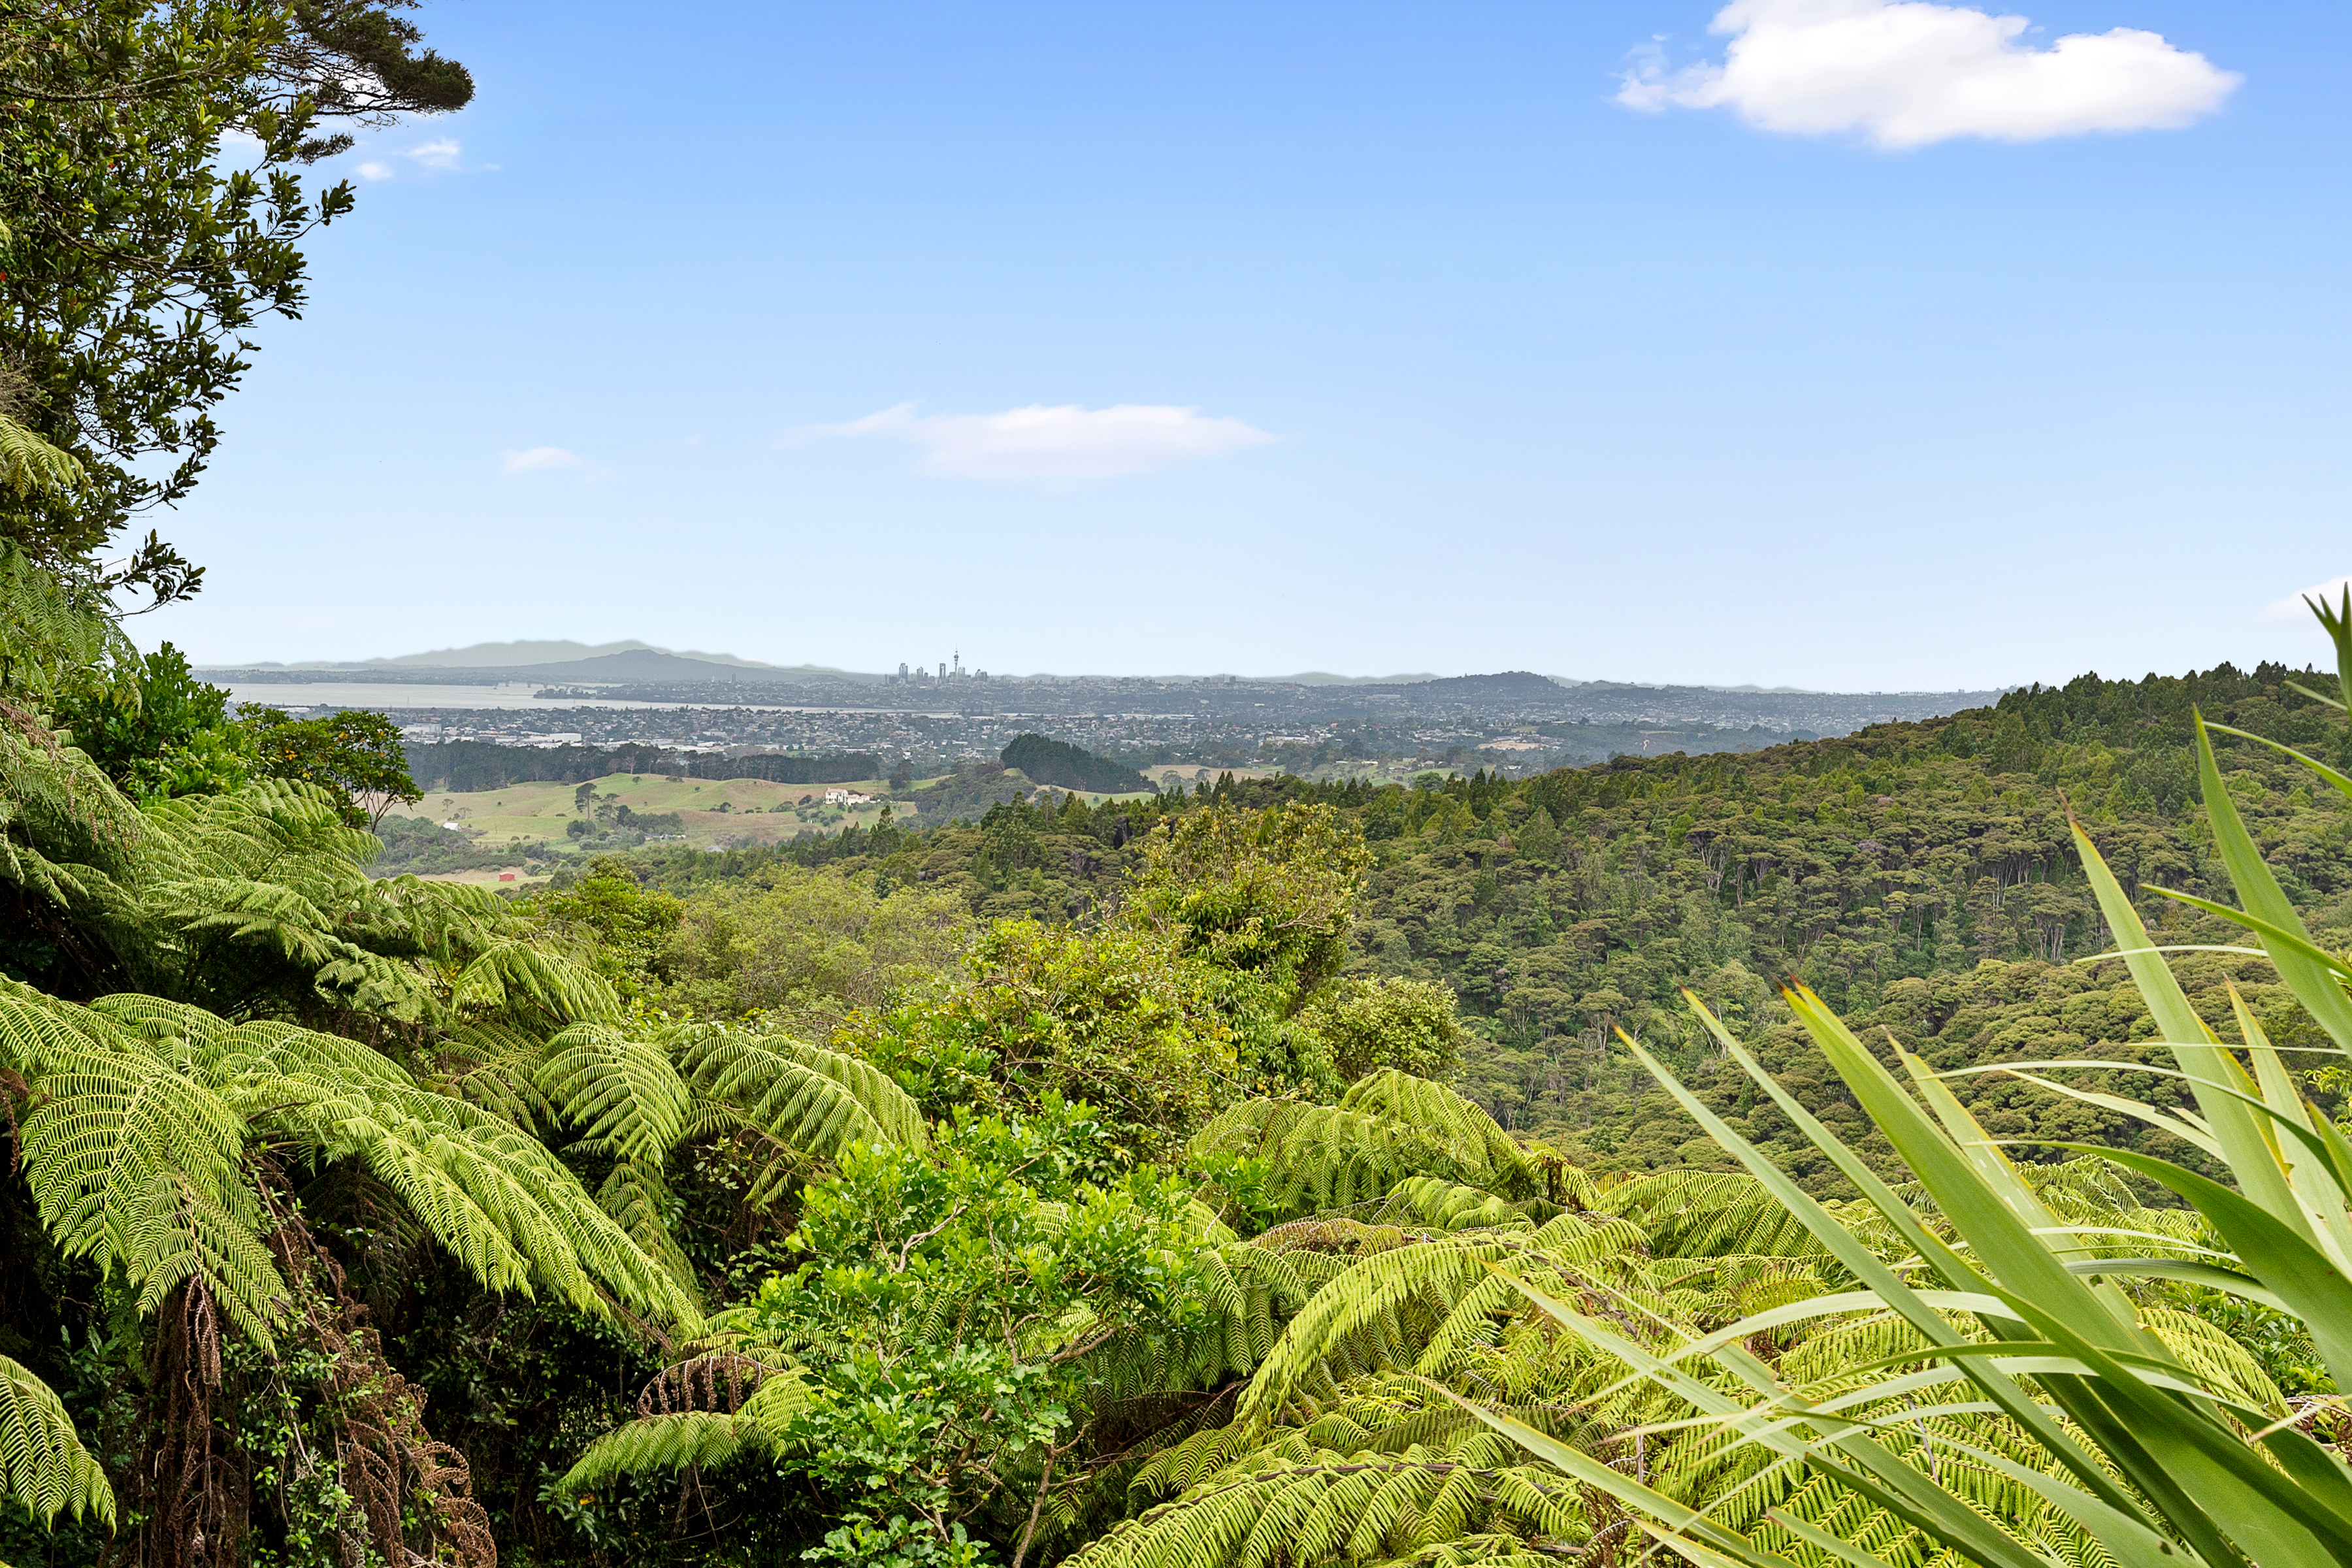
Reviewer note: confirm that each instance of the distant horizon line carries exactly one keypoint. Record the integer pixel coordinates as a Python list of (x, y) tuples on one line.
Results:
[(527, 653)]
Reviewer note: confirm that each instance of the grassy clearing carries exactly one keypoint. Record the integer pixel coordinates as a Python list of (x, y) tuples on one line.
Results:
[(729, 812), (744, 811)]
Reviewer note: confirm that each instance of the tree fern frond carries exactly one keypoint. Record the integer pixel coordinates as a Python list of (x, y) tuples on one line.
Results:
[(1390, 1127), (136, 1160), (1320, 1157), (1441, 1204), (1478, 1551), (815, 1102), (43, 1465), (30, 466), (496, 1068), (445, 923), (66, 832), (517, 976), (1250, 1292), (284, 833), (1479, 1149), (489, 1192), (621, 1095), (1698, 1214), (135, 1155), (36, 1029), (1321, 1507), (703, 1439), (1400, 1306), (2207, 1349), (638, 1200)]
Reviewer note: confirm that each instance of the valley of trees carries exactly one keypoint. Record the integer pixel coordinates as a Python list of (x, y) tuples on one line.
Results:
[(1485, 1173), (1918, 877)]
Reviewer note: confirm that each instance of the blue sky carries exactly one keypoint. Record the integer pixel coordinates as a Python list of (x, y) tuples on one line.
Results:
[(710, 325)]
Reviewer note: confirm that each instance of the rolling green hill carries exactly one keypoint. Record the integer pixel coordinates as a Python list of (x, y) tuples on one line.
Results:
[(1918, 876)]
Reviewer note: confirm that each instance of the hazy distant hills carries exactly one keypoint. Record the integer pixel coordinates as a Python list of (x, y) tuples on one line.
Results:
[(1649, 717), (623, 664), (651, 665), (518, 656), (563, 660)]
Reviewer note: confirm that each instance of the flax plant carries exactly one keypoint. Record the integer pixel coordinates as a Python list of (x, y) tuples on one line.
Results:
[(2028, 1336)]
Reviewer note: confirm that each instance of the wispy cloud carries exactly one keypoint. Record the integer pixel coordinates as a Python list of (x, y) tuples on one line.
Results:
[(442, 156), (539, 460), (2293, 608), (1905, 73), (1064, 442)]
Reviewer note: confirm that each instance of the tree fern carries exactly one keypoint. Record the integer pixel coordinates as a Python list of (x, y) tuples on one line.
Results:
[(621, 1095), (803, 1100), (494, 1066), (42, 1466), (135, 1151), (1438, 1204), (1396, 1308), (697, 1439), (1319, 1507), (489, 1192), (1390, 1127), (518, 976), (1479, 1149), (135, 1156)]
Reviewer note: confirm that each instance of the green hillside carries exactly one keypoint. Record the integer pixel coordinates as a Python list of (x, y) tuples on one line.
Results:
[(1918, 876)]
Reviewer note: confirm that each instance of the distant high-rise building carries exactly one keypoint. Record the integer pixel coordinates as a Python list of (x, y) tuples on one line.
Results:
[(943, 670), (902, 670)]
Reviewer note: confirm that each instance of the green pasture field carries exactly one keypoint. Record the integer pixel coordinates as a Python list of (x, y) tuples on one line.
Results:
[(755, 811)]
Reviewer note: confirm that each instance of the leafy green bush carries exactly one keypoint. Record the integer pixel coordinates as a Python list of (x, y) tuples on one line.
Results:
[(158, 731)]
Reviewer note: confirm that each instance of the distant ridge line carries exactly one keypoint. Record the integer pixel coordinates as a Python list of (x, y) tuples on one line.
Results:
[(561, 661), (641, 664)]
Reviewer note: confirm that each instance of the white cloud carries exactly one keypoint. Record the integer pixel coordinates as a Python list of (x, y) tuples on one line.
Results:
[(439, 156), (538, 460), (1065, 442), (2293, 608), (1906, 72)]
